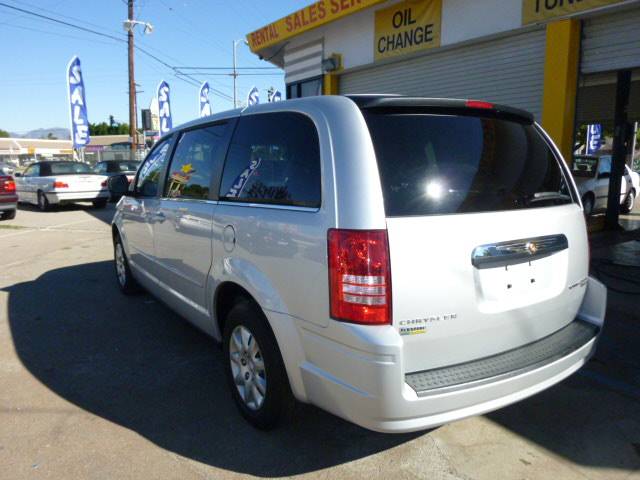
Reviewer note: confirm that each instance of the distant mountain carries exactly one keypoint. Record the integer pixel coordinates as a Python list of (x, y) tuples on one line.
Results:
[(58, 132)]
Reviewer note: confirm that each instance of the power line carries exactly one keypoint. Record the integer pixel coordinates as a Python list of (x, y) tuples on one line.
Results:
[(193, 81), (228, 68), (209, 74), (62, 22), (185, 77)]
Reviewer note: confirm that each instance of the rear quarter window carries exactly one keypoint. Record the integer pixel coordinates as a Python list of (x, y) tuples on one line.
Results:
[(436, 164), (273, 158)]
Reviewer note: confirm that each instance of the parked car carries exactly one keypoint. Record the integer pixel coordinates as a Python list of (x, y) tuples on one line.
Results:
[(6, 169), (592, 174), (53, 182), (118, 167), (399, 262), (8, 198)]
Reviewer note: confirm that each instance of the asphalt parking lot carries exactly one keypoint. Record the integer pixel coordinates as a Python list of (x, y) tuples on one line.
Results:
[(97, 385)]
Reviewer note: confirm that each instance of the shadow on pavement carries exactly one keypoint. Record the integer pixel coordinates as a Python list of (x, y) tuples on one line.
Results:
[(593, 417), (132, 361)]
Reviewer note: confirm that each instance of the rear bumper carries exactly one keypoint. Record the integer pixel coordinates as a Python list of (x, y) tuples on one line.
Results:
[(61, 197), (8, 202), (357, 373)]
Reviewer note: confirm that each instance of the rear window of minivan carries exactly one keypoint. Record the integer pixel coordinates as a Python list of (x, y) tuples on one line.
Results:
[(438, 164)]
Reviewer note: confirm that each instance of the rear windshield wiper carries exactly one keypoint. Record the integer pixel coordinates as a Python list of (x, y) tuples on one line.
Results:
[(547, 197)]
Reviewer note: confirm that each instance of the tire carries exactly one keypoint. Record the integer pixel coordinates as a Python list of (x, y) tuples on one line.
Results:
[(627, 206), (128, 285), (587, 204), (254, 368), (100, 203), (43, 203), (9, 214)]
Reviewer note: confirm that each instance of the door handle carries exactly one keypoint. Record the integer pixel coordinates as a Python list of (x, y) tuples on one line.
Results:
[(517, 251)]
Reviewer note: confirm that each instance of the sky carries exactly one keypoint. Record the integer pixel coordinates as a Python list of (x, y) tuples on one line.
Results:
[(196, 33)]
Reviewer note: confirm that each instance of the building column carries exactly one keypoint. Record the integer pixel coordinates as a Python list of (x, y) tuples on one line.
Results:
[(330, 84), (562, 58)]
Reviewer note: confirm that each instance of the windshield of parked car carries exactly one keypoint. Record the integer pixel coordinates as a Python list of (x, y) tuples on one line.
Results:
[(117, 167), (64, 168), (584, 166), (434, 164), (126, 166)]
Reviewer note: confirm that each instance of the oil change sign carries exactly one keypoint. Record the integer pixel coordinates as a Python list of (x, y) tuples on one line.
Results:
[(407, 27), (540, 10)]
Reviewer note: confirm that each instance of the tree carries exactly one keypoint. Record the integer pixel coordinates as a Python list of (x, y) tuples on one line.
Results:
[(4, 134), (51, 136), (103, 128)]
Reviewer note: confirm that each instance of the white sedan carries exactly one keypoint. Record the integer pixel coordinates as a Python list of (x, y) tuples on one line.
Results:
[(592, 175), (56, 182)]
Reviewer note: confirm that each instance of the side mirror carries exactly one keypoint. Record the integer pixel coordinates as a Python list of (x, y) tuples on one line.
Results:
[(118, 186)]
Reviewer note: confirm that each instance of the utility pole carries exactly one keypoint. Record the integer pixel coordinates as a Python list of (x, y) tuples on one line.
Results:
[(132, 84)]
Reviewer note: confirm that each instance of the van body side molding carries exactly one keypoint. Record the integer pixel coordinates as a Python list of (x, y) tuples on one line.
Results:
[(517, 251)]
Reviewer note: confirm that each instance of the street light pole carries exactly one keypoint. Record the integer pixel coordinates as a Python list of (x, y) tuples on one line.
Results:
[(133, 127), (235, 75)]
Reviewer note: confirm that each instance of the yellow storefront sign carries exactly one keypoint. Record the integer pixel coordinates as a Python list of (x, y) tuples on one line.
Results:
[(407, 27), (540, 10), (313, 16)]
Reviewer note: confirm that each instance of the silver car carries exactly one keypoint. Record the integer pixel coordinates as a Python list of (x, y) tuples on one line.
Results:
[(399, 262)]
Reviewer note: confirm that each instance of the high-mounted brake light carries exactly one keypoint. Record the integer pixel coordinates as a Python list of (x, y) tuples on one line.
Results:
[(360, 276), (479, 104), (60, 185)]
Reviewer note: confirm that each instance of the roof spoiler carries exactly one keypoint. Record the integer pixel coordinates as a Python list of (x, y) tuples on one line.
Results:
[(368, 102)]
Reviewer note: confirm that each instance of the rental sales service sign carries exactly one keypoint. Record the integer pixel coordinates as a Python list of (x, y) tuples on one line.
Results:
[(540, 10), (407, 27), (164, 108), (77, 104)]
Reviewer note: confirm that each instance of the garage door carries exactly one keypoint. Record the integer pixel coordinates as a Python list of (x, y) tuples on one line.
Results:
[(509, 70), (611, 42)]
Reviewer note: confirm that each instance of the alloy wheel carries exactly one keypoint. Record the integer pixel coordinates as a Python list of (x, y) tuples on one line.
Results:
[(121, 269), (247, 367)]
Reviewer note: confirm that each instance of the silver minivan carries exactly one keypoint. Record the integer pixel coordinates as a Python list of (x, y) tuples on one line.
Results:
[(399, 262)]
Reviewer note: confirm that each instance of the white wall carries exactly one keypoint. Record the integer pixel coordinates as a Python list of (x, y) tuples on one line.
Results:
[(466, 19), (353, 36)]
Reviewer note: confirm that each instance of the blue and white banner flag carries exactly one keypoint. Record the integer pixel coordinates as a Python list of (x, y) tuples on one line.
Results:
[(203, 100), (275, 96), (241, 180), (253, 98), (164, 108), (77, 104), (594, 138)]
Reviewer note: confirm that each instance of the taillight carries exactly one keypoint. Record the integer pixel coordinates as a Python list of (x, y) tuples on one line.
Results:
[(359, 276), (103, 184), (60, 185), (479, 104), (7, 185)]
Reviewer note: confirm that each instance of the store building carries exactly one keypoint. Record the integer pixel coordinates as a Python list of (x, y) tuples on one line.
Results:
[(566, 61)]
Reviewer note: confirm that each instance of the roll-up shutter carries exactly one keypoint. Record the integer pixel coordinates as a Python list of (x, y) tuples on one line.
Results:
[(302, 62), (508, 70), (611, 42)]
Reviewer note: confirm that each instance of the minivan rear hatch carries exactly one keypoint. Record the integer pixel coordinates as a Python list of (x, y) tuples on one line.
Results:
[(487, 241)]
